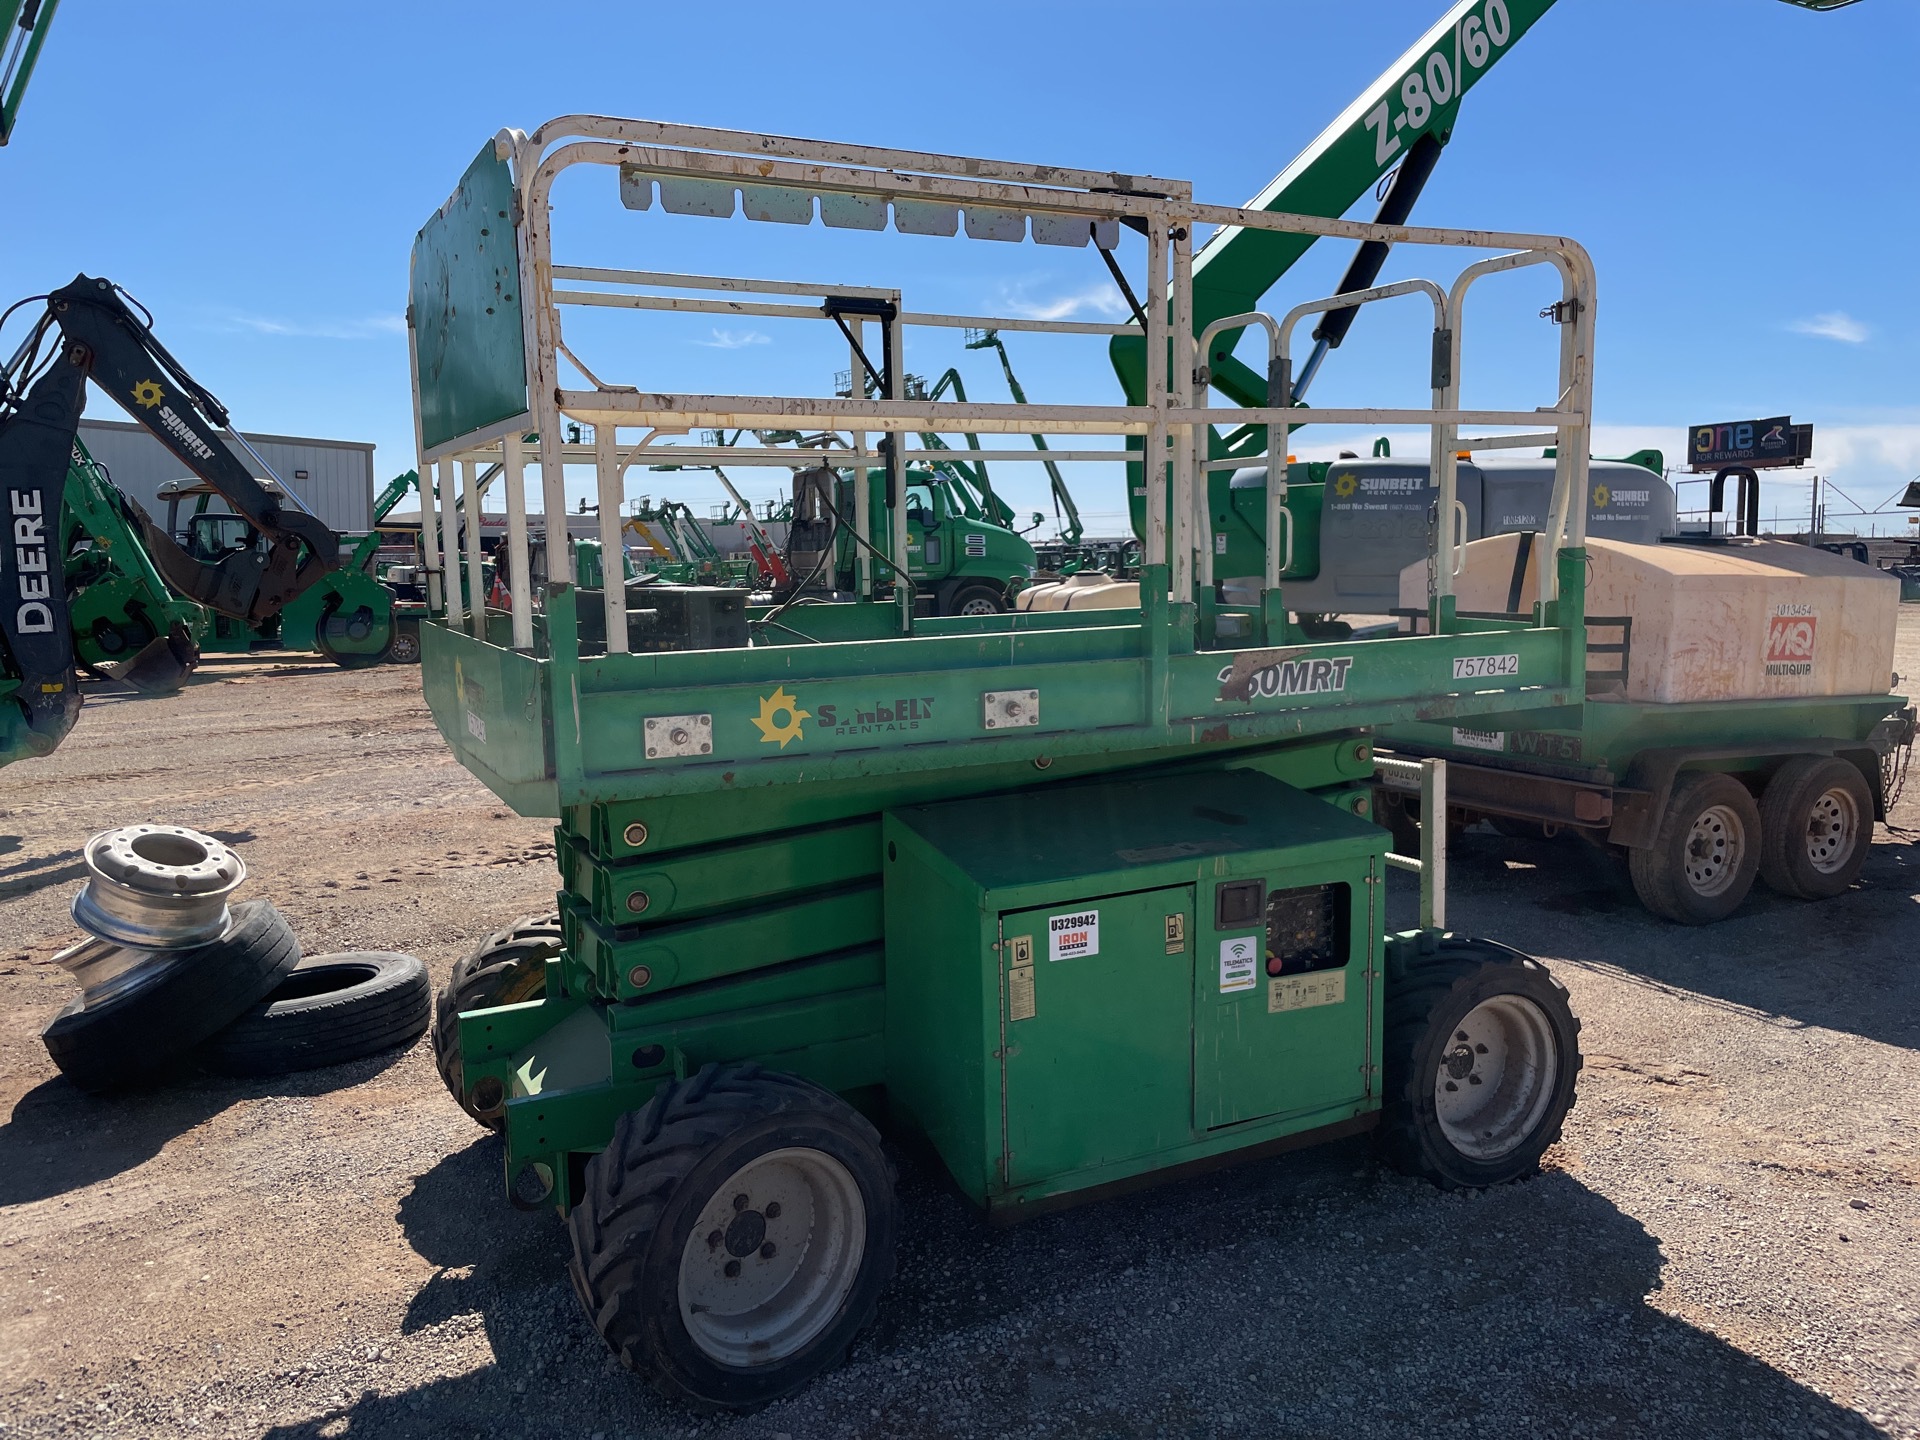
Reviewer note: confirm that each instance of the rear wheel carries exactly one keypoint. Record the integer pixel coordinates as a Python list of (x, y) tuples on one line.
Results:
[(509, 966), (1704, 855), (1816, 823), (735, 1235), (1482, 1051)]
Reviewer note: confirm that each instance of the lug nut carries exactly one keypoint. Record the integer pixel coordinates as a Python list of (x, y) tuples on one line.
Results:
[(766, 1251), (739, 1202), (733, 1269), (772, 1212)]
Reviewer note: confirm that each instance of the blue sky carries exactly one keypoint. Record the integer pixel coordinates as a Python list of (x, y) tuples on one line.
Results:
[(255, 173)]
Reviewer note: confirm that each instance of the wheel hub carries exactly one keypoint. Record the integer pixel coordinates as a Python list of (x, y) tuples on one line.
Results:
[(1715, 847), (746, 1234), (1496, 1078), (1831, 825), (772, 1257)]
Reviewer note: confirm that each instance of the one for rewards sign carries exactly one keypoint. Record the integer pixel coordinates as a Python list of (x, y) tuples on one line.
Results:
[(1071, 936)]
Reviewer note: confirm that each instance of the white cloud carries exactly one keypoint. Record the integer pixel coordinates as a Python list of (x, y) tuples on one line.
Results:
[(367, 327), (734, 340), (1102, 299), (1833, 325)]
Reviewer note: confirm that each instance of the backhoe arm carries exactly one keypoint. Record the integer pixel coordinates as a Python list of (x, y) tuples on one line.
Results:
[(106, 342)]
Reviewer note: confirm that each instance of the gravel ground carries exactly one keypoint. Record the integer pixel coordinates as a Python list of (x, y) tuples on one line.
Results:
[(1725, 1244)]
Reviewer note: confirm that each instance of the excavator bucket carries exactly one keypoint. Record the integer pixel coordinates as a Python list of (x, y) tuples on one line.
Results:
[(161, 666)]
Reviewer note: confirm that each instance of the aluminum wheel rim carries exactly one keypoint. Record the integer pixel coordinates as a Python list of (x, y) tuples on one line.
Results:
[(1496, 1077), (1716, 845), (791, 1226), (405, 649), (1833, 826), (979, 607)]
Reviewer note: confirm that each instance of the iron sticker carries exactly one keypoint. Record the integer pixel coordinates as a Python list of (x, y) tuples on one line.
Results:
[(1070, 937)]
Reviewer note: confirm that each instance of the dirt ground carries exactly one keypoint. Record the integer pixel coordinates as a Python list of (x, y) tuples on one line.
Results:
[(1727, 1243)]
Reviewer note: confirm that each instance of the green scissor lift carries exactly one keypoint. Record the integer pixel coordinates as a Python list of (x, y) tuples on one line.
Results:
[(1081, 898)]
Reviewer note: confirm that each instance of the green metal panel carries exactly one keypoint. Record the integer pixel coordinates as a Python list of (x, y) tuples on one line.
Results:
[(464, 308), (1100, 1072), (627, 962), (1261, 1050), (1037, 1076)]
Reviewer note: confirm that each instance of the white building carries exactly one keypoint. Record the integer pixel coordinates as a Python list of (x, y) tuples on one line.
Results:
[(333, 477)]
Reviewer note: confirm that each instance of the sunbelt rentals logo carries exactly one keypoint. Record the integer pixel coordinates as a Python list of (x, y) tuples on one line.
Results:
[(774, 730)]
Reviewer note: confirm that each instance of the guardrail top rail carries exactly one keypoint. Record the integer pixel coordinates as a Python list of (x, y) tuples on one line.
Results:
[(500, 389)]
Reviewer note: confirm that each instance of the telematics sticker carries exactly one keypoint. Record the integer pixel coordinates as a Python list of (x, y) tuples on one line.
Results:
[(1071, 936), (1239, 958), (1485, 667)]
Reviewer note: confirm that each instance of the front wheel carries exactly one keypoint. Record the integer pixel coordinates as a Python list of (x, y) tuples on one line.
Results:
[(509, 967), (735, 1235), (1482, 1050), (977, 599)]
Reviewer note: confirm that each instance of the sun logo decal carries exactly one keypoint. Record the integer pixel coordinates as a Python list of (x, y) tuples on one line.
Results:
[(1345, 485), (148, 394), (779, 732), (1601, 495)]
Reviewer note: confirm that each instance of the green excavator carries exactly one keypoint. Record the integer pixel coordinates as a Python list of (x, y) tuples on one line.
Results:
[(91, 330)]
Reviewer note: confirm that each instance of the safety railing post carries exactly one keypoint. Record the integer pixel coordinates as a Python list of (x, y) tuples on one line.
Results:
[(513, 463)]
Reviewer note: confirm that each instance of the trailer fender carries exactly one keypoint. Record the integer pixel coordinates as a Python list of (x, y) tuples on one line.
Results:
[(1642, 800)]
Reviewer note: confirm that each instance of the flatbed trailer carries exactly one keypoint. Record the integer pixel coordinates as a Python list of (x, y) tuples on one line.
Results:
[(1819, 770)]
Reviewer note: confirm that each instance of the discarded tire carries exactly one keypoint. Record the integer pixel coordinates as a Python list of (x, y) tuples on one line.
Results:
[(125, 1037), (326, 1010), (509, 966), (735, 1235)]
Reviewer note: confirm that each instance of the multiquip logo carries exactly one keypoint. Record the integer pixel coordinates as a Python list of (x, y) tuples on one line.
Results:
[(1790, 639)]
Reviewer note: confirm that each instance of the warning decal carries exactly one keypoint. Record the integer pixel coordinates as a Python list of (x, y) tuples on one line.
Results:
[(1071, 936), (1239, 958)]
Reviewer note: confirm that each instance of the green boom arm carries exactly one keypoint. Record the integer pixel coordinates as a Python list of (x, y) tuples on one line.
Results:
[(1418, 95)]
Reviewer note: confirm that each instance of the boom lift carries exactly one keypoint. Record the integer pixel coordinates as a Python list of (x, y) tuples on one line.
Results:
[(102, 339)]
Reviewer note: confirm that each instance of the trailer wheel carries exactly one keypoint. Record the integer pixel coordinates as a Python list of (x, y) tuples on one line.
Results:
[(1482, 1051), (735, 1235), (1704, 855), (509, 966), (1816, 824)]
